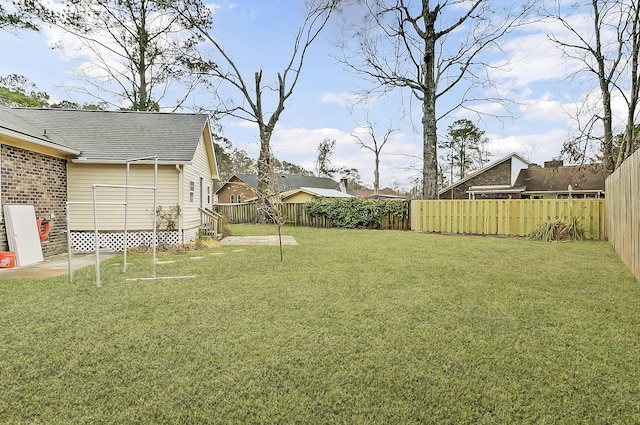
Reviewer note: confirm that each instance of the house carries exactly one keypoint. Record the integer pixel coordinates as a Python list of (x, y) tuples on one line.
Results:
[(557, 181), (242, 187), (512, 177), (51, 156), (494, 181), (386, 192), (306, 194)]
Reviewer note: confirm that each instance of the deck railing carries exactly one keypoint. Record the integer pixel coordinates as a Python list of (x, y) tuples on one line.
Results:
[(210, 223)]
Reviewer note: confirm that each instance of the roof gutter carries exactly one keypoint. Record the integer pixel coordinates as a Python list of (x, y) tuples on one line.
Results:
[(573, 191), (85, 160)]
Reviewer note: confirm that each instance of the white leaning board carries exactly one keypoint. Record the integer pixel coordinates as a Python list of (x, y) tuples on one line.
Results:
[(23, 234)]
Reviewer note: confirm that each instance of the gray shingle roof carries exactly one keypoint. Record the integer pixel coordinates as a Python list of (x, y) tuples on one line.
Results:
[(16, 124), (580, 177), (115, 135)]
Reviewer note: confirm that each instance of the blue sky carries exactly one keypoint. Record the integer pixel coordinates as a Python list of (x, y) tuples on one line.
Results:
[(260, 33)]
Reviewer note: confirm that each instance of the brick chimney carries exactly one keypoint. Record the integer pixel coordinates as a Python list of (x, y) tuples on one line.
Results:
[(343, 185)]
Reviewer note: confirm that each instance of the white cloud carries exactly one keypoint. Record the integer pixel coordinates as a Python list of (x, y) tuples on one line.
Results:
[(397, 158), (544, 108), (536, 147), (343, 98)]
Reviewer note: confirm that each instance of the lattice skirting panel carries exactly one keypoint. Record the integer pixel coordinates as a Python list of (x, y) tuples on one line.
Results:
[(191, 235), (85, 241)]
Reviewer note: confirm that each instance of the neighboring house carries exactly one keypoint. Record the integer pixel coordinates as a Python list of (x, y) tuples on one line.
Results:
[(494, 181), (93, 147), (242, 187), (556, 181), (387, 192), (306, 194), (512, 177)]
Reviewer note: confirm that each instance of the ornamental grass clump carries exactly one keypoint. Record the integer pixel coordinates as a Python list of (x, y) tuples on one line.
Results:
[(557, 231)]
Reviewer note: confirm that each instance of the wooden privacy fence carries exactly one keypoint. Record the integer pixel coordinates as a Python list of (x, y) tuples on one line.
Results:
[(296, 214), (623, 212), (238, 213), (506, 217)]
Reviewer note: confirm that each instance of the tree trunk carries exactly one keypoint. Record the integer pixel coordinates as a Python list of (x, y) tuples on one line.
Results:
[(264, 160), (429, 122), (376, 173), (607, 143)]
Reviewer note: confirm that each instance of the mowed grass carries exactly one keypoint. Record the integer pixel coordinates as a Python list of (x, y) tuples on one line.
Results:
[(353, 327)]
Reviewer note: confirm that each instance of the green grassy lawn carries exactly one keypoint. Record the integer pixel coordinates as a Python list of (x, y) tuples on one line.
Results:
[(353, 327)]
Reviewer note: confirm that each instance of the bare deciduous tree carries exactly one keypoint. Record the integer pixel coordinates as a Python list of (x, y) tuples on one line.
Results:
[(608, 49), (252, 93), (403, 45), (375, 145)]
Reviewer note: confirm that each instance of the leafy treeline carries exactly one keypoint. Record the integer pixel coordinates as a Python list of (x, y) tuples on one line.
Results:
[(356, 213), (17, 91), (233, 161)]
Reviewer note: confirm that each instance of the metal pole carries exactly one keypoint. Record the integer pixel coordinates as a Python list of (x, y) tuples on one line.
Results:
[(68, 220), (155, 213), (126, 213), (95, 227)]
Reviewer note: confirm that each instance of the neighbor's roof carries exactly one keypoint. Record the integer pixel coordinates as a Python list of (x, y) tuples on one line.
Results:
[(482, 170), (557, 179), (289, 181), (115, 135), (386, 192), (316, 191)]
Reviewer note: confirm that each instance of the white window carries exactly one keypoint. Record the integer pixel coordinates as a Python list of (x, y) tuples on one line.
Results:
[(208, 195), (192, 191), (238, 198)]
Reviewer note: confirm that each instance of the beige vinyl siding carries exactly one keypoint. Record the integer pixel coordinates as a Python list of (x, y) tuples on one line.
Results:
[(81, 178), (299, 198), (199, 168)]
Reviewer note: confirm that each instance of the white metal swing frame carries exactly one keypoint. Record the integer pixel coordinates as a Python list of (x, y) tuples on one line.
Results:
[(95, 203)]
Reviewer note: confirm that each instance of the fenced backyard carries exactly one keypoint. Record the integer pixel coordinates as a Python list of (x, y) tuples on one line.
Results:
[(479, 217), (616, 219)]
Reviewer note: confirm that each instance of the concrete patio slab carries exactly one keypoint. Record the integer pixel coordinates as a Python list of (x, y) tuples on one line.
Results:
[(258, 240), (55, 265)]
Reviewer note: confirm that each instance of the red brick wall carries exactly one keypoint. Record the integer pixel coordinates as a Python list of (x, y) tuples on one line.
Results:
[(235, 187), (498, 175), (39, 180)]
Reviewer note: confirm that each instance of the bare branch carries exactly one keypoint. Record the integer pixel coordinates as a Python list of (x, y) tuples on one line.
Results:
[(405, 45)]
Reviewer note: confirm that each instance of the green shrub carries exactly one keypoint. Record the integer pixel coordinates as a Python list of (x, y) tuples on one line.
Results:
[(356, 213)]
